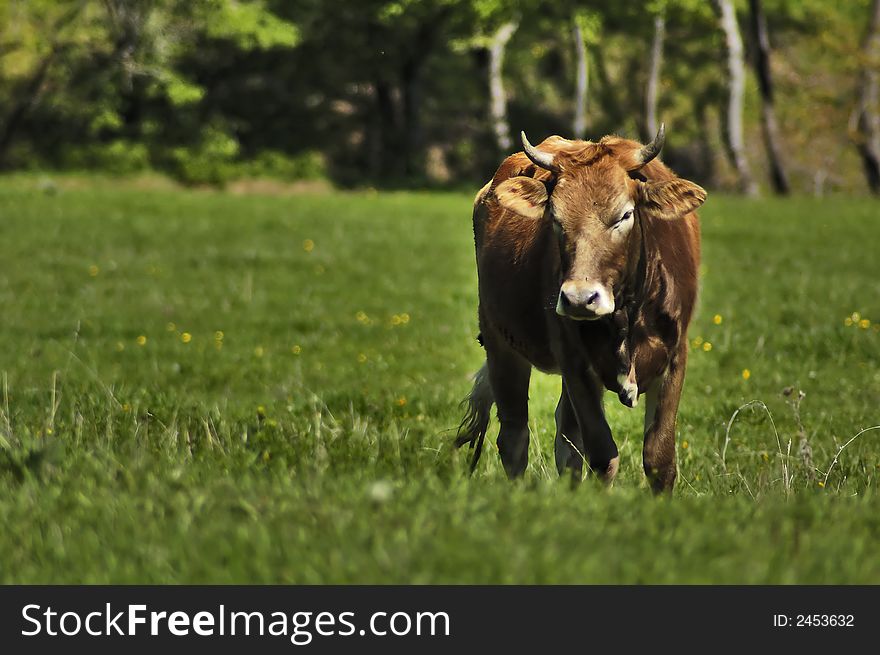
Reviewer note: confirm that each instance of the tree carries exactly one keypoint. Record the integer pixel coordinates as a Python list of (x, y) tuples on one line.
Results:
[(770, 129), (582, 25), (652, 87), (112, 74), (497, 96), (31, 86), (408, 91), (736, 89), (868, 112)]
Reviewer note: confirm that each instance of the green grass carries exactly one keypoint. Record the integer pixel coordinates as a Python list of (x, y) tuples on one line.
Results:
[(175, 462)]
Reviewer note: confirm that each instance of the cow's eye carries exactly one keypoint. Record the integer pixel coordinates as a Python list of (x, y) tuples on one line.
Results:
[(620, 222)]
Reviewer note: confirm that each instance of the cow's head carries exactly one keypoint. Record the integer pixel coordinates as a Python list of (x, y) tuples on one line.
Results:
[(594, 201)]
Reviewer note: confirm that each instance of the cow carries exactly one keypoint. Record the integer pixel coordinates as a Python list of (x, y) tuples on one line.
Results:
[(587, 256)]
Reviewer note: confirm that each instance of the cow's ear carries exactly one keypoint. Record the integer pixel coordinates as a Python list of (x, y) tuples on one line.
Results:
[(670, 199), (523, 195)]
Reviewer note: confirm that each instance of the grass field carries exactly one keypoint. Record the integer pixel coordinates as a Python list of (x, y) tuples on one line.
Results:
[(205, 387)]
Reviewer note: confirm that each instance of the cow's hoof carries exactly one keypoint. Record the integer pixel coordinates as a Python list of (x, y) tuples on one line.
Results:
[(611, 472)]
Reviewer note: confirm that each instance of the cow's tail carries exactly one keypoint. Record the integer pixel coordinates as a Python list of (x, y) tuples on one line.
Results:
[(475, 423)]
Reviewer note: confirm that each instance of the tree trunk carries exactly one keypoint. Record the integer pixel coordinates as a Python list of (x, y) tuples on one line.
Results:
[(29, 97), (652, 89), (778, 176), (411, 73), (582, 80), (606, 91), (497, 97), (383, 130), (868, 112), (127, 20), (411, 89), (737, 78)]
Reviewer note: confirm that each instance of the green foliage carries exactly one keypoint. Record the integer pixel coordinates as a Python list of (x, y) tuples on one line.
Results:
[(395, 91), (179, 91), (247, 24), (208, 162), (118, 157), (309, 165), (288, 417), (590, 23), (101, 78)]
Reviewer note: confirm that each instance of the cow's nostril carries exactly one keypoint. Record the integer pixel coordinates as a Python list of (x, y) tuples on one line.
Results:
[(592, 298)]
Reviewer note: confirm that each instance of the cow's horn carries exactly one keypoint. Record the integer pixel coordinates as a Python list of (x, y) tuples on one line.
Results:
[(651, 150), (538, 157)]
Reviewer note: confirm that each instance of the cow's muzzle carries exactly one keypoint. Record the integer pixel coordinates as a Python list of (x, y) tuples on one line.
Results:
[(584, 301)]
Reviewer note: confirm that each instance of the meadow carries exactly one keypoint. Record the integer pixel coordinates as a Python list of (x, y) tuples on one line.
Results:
[(204, 387)]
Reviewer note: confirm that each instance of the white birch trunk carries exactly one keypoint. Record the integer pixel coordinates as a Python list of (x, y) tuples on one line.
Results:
[(582, 79), (736, 69), (652, 89), (497, 96)]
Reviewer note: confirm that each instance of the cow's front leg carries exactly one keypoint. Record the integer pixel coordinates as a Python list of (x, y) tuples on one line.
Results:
[(661, 409), (585, 395), (569, 446), (509, 377)]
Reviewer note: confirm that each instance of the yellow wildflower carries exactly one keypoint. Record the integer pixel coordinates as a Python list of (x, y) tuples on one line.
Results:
[(864, 324), (186, 337), (401, 401), (308, 245), (296, 350), (746, 374), (707, 346), (141, 340), (717, 319)]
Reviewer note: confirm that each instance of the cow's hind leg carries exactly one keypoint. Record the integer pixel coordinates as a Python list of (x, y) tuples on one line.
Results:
[(509, 375), (569, 447)]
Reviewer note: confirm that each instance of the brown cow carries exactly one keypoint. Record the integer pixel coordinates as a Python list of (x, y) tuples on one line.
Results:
[(587, 257)]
